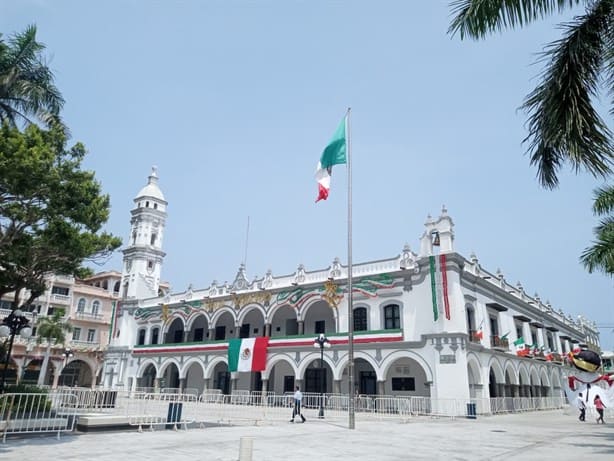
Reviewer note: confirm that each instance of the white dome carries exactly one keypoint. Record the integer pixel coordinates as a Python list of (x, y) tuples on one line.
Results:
[(151, 189)]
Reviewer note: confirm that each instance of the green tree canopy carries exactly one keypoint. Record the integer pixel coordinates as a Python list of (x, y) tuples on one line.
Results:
[(51, 211), (27, 90), (564, 125), (600, 257), (53, 329)]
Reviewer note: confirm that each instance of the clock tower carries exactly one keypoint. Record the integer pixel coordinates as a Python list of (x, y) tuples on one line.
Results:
[(143, 256)]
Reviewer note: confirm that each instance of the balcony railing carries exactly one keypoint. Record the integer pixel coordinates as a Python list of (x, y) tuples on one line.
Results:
[(88, 316), (63, 299), (499, 343), (88, 344), (475, 336)]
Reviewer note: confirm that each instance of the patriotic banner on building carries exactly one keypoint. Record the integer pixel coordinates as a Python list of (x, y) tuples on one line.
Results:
[(247, 354), (439, 286)]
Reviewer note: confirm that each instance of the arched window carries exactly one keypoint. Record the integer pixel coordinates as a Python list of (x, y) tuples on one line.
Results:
[(141, 338), (81, 305), (360, 319), (392, 317), (155, 333), (95, 307)]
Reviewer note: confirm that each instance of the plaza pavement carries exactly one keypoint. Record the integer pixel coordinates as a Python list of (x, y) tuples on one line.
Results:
[(543, 436)]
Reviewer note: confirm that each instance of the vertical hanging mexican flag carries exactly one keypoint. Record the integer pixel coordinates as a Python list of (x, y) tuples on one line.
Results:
[(439, 286), (247, 354), (334, 154)]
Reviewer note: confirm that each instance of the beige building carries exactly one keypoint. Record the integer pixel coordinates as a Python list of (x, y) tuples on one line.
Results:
[(88, 307)]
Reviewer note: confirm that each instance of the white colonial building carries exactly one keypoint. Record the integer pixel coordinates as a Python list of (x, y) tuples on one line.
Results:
[(432, 324)]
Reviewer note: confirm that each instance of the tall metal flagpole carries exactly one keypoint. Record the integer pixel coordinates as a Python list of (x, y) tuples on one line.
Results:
[(351, 392)]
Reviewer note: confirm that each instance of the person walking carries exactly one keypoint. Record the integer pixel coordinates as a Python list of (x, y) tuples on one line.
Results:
[(599, 406), (582, 406), (298, 397)]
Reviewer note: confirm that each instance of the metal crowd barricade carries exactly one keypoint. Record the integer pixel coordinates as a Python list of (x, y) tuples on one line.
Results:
[(155, 409), (37, 413)]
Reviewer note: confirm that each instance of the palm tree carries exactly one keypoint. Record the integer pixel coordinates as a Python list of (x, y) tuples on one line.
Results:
[(600, 257), (26, 82), (53, 330), (564, 126)]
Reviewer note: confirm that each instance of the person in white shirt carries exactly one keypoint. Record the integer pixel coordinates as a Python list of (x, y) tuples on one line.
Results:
[(298, 397)]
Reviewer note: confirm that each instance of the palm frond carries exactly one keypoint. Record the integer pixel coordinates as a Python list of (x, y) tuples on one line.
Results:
[(563, 124), (604, 200), (477, 18), (600, 256)]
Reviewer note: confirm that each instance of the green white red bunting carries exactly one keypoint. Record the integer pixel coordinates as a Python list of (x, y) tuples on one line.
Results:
[(439, 286)]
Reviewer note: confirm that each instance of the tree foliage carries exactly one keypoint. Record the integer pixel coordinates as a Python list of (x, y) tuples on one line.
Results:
[(564, 126), (53, 329), (51, 210), (600, 256), (27, 89)]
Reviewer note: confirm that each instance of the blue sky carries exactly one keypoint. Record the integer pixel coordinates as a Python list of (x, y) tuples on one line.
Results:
[(234, 101)]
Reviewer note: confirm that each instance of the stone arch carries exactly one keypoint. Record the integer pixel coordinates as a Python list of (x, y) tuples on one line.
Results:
[(210, 368), (191, 361), (391, 358), (365, 373), (285, 318), (221, 311), (251, 321), (276, 370), (284, 357), (143, 366), (198, 328), (544, 383), (496, 378), (273, 310), (474, 375), (495, 365), (524, 381), (189, 323), (403, 374), (174, 330), (543, 377), (168, 362), (77, 372), (319, 310), (533, 382), (555, 380), (193, 374), (511, 374), (169, 374), (250, 308), (307, 359), (343, 363)]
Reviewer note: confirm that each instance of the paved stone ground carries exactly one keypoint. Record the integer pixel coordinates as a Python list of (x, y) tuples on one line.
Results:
[(543, 436)]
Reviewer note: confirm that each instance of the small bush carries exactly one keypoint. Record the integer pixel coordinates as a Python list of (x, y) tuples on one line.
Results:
[(26, 403)]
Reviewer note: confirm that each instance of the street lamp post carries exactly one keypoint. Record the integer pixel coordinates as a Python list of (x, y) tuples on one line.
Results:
[(321, 342), (67, 354), (13, 324)]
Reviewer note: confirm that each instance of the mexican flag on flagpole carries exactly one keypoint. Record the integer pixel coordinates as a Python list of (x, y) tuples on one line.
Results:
[(334, 154), (247, 354)]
